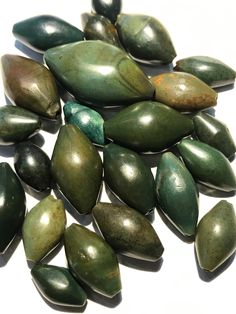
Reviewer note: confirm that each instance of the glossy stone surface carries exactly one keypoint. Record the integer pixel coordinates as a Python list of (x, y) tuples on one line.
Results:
[(177, 194), (17, 124), (127, 231), (108, 8), (33, 166), (30, 85), (77, 168), (207, 165), (211, 71), (58, 286), (46, 31), (88, 120), (214, 133), (99, 73), (12, 205), (183, 91), (147, 127), (129, 177), (145, 38), (92, 260), (216, 236), (43, 228)]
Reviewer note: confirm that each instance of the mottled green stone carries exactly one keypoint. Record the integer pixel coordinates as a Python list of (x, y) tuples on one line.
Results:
[(108, 8), (216, 236), (92, 260), (207, 165), (127, 231)]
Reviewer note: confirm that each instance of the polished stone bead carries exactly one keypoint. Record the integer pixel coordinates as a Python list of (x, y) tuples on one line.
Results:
[(108, 8), (17, 124), (129, 177), (77, 168), (43, 228), (207, 165), (33, 166), (216, 236), (177, 194), (58, 286), (183, 91), (127, 231), (30, 85), (46, 31), (88, 120), (145, 38), (99, 73), (214, 133), (211, 71), (147, 127), (92, 261), (12, 205)]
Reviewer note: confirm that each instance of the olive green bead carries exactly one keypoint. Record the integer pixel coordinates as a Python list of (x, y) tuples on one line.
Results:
[(110, 8)]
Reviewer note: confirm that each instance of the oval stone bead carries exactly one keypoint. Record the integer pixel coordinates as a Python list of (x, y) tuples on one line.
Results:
[(127, 231), (129, 177), (43, 228), (211, 71), (214, 133), (77, 168), (147, 127), (58, 286), (177, 194), (92, 261), (145, 38), (12, 205), (183, 91), (99, 73), (30, 85), (207, 165), (33, 166), (216, 236), (17, 124), (108, 8), (46, 31)]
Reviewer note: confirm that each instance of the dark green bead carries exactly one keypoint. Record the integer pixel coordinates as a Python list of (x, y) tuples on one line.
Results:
[(12, 205), (207, 165), (147, 127), (109, 9), (127, 231), (177, 194), (46, 31), (129, 177), (211, 71), (58, 286), (92, 261), (216, 236), (214, 133), (17, 124)]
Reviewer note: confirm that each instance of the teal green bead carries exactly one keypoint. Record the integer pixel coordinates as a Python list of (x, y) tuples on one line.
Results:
[(109, 9), (177, 194)]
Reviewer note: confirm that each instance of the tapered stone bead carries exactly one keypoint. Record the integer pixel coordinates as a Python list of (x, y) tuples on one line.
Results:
[(127, 231), (109, 9), (30, 85), (216, 236), (147, 127), (207, 165), (92, 261), (129, 177), (17, 124), (177, 194), (99, 73), (183, 91), (46, 31), (214, 133), (12, 205), (43, 228), (58, 286), (77, 168)]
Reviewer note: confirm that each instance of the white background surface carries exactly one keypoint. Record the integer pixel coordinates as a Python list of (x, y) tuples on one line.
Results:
[(197, 28)]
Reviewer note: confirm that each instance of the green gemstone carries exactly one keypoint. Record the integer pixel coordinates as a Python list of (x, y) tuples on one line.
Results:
[(109, 9)]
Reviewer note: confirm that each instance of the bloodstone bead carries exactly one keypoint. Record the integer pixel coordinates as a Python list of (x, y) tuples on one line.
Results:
[(108, 8)]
